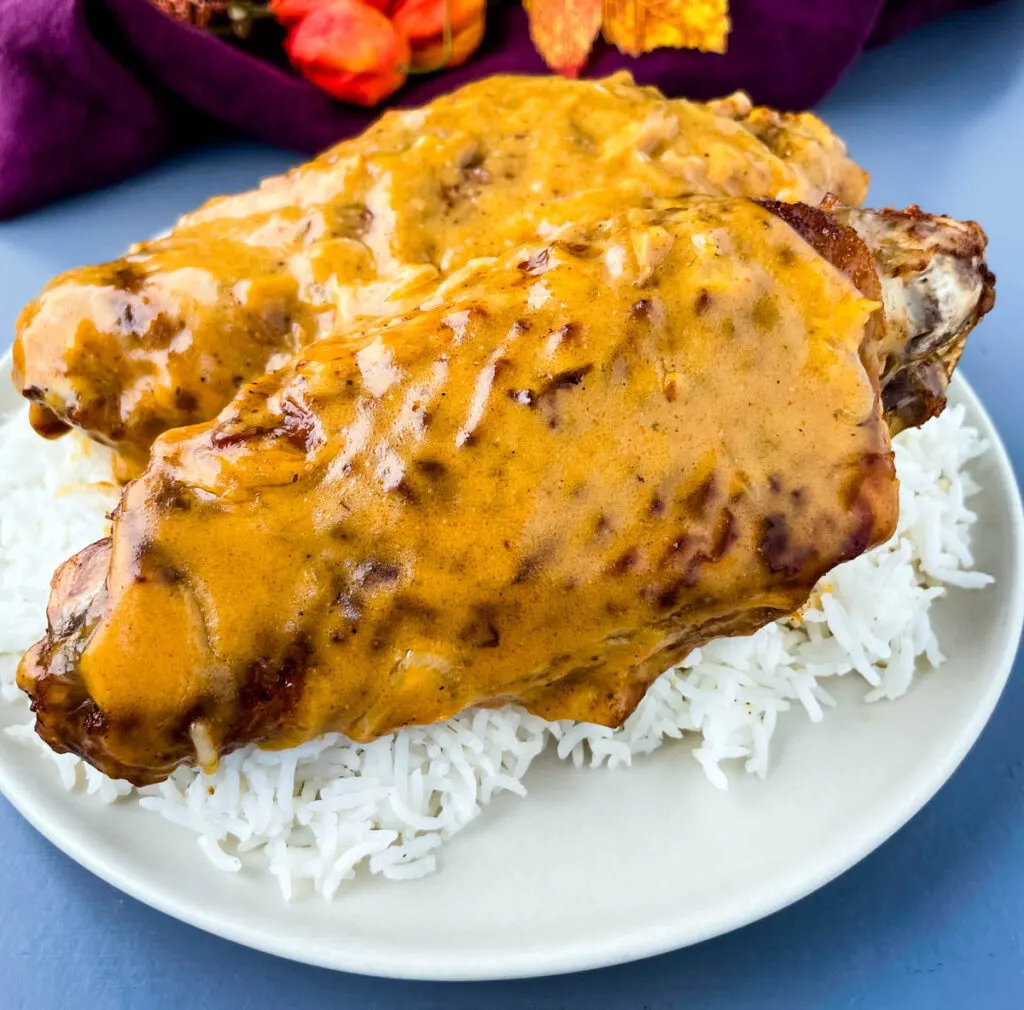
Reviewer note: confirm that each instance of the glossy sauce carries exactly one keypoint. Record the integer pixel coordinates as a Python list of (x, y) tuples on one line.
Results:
[(164, 336), (547, 485)]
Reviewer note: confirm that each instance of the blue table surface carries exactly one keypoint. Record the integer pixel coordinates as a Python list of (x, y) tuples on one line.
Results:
[(933, 919)]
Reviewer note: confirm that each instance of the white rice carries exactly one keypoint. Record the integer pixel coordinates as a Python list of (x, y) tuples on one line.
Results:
[(315, 815)]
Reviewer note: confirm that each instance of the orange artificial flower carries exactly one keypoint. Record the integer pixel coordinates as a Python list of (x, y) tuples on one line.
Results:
[(291, 12), (422, 22), (350, 50)]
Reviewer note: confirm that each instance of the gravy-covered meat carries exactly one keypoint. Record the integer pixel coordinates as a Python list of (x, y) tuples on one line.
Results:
[(549, 483), (165, 336)]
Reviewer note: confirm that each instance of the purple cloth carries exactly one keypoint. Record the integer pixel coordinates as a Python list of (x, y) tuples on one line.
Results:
[(92, 91)]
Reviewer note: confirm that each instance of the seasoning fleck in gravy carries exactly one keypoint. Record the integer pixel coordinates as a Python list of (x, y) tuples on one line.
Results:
[(165, 336), (546, 485)]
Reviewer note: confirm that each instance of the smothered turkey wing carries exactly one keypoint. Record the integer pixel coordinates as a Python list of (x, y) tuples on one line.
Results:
[(546, 485), (164, 336)]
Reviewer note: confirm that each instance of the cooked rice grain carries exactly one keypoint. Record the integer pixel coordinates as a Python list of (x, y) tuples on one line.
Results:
[(315, 815)]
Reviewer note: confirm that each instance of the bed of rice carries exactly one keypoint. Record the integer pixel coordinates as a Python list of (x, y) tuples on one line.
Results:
[(315, 815)]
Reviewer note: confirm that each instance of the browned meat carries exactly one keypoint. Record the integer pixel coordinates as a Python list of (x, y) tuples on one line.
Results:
[(935, 288), (166, 335), (548, 484)]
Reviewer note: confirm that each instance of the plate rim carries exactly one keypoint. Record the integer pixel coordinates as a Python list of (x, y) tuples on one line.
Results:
[(649, 941)]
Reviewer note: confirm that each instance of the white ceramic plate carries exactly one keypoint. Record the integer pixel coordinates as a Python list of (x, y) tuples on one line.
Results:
[(600, 867)]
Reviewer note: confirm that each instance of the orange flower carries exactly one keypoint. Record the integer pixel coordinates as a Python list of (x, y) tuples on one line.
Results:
[(350, 50), (422, 22), (291, 12)]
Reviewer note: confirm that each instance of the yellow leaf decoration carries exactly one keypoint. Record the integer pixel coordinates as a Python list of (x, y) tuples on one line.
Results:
[(564, 30), (638, 26)]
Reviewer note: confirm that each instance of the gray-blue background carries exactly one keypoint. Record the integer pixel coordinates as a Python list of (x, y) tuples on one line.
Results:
[(932, 920)]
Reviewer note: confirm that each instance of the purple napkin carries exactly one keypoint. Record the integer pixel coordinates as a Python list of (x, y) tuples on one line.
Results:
[(92, 91)]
